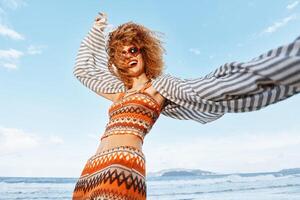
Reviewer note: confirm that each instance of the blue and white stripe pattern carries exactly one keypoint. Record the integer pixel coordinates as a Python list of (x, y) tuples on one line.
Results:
[(233, 87), (91, 64)]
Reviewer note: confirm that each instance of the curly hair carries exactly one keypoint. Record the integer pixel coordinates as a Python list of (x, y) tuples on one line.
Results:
[(149, 43)]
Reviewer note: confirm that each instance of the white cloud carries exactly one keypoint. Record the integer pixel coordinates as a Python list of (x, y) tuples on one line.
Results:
[(292, 5), (232, 153), (14, 140), (279, 24), (195, 51), (9, 65), (10, 58), (7, 32), (13, 4), (33, 50), (24, 153), (56, 140), (10, 54)]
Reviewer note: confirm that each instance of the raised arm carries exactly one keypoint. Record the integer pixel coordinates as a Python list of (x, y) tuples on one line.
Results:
[(91, 63), (234, 87)]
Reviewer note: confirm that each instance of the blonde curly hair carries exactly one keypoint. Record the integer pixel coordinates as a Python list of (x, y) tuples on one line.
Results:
[(149, 43)]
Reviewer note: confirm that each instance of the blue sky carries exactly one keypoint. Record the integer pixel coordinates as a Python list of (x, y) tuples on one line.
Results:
[(50, 124)]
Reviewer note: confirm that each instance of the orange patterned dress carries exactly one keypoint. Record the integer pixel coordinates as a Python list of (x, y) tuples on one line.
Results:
[(119, 173)]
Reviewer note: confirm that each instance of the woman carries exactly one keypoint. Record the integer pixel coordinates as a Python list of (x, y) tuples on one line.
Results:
[(131, 77), (117, 170)]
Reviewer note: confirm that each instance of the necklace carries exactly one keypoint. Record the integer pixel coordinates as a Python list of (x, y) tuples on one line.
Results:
[(135, 90)]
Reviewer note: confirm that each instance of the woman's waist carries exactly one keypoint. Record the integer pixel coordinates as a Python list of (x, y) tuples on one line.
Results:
[(117, 140), (124, 131)]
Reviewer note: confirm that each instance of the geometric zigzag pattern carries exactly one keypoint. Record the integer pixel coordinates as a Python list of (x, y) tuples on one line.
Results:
[(114, 174), (133, 114)]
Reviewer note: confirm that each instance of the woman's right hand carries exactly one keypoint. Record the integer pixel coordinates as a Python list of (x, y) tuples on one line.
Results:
[(101, 21)]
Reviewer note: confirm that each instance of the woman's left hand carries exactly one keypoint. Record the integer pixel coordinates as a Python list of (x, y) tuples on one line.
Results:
[(101, 21)]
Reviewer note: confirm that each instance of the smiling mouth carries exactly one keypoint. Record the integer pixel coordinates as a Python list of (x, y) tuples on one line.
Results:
[(133, 63)]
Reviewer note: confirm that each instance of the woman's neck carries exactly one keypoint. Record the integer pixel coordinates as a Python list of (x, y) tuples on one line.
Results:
[(137, 82)]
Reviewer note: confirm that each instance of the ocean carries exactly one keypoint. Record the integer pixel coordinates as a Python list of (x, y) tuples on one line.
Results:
[(280, 185)]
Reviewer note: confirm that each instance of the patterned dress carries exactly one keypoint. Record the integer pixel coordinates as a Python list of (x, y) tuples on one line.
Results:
[(119, 173)]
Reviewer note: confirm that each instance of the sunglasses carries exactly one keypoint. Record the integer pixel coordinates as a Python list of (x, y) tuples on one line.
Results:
[(133, 51)]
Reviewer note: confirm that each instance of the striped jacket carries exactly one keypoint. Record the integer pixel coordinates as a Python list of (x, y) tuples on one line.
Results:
[(233, 87)]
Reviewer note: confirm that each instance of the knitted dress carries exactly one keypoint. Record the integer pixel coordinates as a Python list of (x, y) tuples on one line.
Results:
[(119, 173)]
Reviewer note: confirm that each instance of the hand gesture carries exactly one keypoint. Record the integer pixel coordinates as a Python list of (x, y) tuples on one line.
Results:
[(101, 21)]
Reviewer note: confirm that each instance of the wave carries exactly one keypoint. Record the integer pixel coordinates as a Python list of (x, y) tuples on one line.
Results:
[(227, 190), (213, 180), (39, 180), (181, 172), (161, 181)]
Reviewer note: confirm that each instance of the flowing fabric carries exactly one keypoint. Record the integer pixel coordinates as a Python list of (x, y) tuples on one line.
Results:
[(233, 87)]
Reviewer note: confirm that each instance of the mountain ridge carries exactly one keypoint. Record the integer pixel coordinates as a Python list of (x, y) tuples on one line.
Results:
[(173, 172)]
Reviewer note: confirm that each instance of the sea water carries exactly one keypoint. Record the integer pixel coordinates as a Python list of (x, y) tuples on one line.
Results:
[(212, 187)]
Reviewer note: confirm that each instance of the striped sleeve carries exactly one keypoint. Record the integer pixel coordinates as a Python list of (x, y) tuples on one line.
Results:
[(234, 87), (180, 108), (91, 65)]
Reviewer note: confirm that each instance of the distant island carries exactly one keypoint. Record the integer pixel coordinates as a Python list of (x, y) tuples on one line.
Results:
[(195, 172), (180, 172), (177, 172)]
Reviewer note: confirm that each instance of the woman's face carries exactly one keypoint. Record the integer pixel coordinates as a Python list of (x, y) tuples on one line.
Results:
[(132, 60)]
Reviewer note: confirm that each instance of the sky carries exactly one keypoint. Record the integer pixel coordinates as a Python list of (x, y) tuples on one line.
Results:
[(50, 124)]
